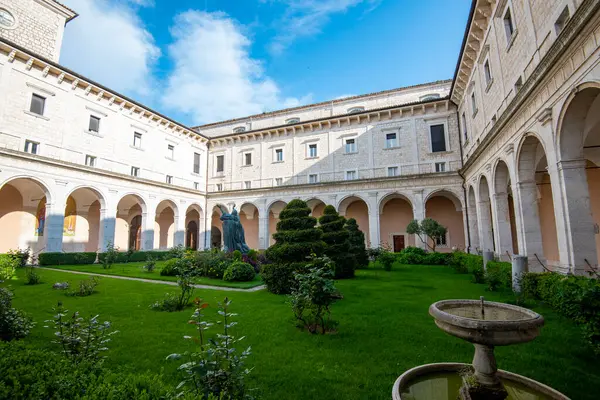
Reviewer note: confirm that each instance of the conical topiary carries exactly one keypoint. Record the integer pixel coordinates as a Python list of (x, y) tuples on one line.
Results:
[(336, 239), (357, 244), (296, 239)]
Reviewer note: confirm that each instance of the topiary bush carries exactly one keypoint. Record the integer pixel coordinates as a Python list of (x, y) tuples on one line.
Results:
[(239, 271), (356, 239), (337, 243), (296, 239), (67, 258)]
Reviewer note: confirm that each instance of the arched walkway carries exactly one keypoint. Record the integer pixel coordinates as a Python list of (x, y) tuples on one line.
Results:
[(250, 221), (164, 226), (81, 228), (396, 212), (129, 223), (355, 207), (316, 206), (444, 207), (274, 209), (484, 214), (505, 228), (473, 223), (216, 236), (23, 215)]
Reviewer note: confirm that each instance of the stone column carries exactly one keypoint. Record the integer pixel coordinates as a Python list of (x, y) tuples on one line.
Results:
[(374, 239), (502, 226), (148, 230), (108, 219), (179, 233), (487, 256), (419, 213), (484, 221), (519, 267), (530, 222), (473, 229), (53, 230), (263, 231), (579, 232)]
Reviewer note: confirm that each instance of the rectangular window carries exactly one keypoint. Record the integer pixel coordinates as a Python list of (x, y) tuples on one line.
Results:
[(473, 104), (248, 159), (391, 140), (488, 72), (169, 179), (220, 163), (31, 147), (135, 171), (171, 151), (278, 181), (350, 146), (438, 138), (90, 161), (278, 155), (94, 124), (464, 126), (350, 175), (196, 163), (392, 171), (509, 27), (137, 140), (440, 167), (219, 187), (196, 186), (248, 184), (313, 178), (312, 150), (38, 104), (518, 85), (562, 20), (441, 241)]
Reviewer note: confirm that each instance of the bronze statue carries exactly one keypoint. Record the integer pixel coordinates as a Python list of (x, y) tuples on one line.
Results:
[(233, 232)]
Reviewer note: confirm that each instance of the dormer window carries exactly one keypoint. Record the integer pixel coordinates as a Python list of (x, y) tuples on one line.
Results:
[(290, 121), (355, 110), (431, 96), (239, 129)]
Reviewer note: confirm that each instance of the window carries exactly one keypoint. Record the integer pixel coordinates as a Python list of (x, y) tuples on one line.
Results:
[(248, 159), (196, 163), (135, 171), (220, 163), (278, 181), (248, 184), (518, 84), (137, 140), (219, 187), (355, 110), (171, 151), (278, 155), (292, 121), (464, 126), (390, 140), (7, 20), (94, 124), (90, 161), (440, 167), (31, 147), (239, 129), (438, 138), (196, 186), (312, 150), (509, 27), (350, 175), (169, 179), (38, 103), (473, 104), (488, 72), (441, 241), (431, 96), (392, 171), (350, 146), (562, 20), (313, 178)]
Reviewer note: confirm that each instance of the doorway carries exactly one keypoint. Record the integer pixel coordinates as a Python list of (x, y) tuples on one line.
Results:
[(135, 233), (399, 243)]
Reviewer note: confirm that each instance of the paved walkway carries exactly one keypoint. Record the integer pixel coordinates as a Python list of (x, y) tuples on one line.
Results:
[(129, 278)]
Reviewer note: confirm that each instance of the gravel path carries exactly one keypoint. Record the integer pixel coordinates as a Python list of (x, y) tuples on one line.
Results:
[(128, 278)]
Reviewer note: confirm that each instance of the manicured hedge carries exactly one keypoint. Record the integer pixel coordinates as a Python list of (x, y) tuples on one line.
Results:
[(498, 275), (125, 257), (67, 258)]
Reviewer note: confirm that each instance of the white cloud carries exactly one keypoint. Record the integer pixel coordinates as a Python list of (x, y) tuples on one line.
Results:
[(214, 78), (307, 18), (108, 43)]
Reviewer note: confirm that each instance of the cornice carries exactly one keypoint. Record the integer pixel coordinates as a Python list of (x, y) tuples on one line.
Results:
[(59, 8)]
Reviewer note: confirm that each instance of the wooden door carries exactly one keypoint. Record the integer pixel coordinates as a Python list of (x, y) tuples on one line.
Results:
[(398, 243)]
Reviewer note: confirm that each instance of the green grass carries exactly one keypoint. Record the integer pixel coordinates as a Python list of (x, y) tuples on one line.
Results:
[(134, 270), (384, 329)]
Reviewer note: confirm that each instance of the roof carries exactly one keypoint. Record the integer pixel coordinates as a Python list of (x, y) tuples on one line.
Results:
[(464, 43), (337, 101), (70, 14)]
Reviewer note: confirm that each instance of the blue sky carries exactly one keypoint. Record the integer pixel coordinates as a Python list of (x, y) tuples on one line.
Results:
[(201, 61)]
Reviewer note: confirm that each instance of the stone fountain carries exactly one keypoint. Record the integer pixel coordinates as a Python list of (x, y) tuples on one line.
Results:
[(486, 324)]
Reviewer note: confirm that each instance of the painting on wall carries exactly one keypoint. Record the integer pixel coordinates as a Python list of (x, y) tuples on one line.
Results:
[(70, 217), (40, 217)]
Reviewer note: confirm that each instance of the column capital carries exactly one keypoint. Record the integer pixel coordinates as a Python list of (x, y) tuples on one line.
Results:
[(571, 164)]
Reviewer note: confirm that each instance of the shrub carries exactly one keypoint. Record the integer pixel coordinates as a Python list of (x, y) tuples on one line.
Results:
[(14, 324), (216, 368), (414, 250), (356, 240), (374, 253), (313, 296), (111, 256), (20, 255), (169, 268), (150, 264), (336, 238), (177, 251), (67, 258), (295, 239), (31, 276), (86, 287), (498, 275), (239, 271), (8, 266), (457, 261), (410, 258), (237, 255), (173, 302), (386, 259), (143, 255), (436, 258)]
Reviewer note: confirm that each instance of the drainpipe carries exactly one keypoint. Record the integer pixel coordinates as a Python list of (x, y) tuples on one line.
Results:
[(462, 163)]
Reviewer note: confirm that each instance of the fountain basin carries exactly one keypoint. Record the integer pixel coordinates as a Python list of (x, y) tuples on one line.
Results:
[(501, 325), (442, 381)]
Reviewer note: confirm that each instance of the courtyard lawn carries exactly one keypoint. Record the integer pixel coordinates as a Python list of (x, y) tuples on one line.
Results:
[(134, 270), (384, 329)]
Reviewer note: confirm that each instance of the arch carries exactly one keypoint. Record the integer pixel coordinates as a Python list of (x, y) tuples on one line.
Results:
[(216, 226), (129, 207), (347, 200), (216, 238), (504, 212), (164, 224), (391, 196), (41, 184), (99, 193), (355, 206), (191, 235), (249, 218), (395, 213), (273, 210), (197, 207), (449, 194), (446, 208), (82, 224), (316, 206)]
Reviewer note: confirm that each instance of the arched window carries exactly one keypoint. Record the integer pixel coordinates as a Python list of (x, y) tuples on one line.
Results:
[(431, 96), (355, 110), (239, 129), (294, 120)]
